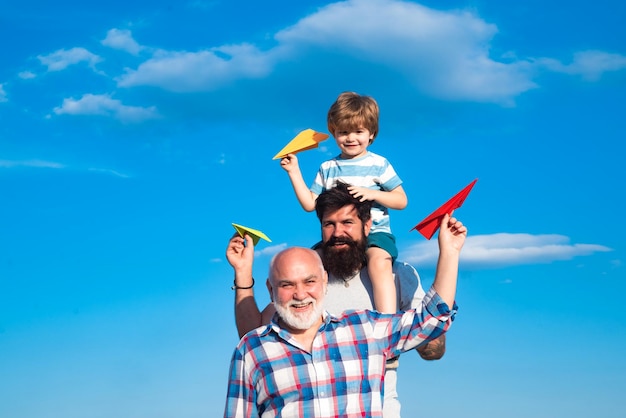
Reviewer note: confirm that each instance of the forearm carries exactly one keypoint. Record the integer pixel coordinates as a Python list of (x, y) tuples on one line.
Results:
[(247, 314), (304, 195), (446, 275), (393, 199)]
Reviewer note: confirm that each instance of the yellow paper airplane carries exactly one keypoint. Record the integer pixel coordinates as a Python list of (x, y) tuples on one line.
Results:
[(255, 234), (305, 140)]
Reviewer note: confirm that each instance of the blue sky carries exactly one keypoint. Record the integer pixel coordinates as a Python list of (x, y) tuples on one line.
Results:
[(132, 134)]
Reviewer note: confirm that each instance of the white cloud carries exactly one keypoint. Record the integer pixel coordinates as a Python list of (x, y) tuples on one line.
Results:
[(500, 250), (110, 171), (3, 94), (104, 105), (199, 71), (122, 39), (444, 54), (55, 165), (26, 75), (591, 64), (270, 251), (30, 163), (63, 58)]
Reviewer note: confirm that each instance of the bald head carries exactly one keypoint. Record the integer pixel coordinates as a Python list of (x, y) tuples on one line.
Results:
[(293, 260), (297, 284)]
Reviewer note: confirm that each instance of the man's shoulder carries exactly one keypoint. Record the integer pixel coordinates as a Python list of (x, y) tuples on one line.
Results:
[(352, 316), (253, 338), (357, 293), (406, 277), (408, 284), (405, 270)]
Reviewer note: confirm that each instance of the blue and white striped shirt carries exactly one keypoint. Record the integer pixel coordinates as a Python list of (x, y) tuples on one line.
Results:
[(371, 171)]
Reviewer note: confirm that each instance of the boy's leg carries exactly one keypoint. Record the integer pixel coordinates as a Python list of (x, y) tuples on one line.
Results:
[(379, 267)]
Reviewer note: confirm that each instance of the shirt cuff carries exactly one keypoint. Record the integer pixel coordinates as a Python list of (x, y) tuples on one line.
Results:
[(437, 307)]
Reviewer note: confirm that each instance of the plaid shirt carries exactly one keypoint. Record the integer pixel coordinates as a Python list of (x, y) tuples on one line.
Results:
[(271, 375)]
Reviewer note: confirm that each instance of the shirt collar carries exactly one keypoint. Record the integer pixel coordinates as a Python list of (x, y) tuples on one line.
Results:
[(273, 325)]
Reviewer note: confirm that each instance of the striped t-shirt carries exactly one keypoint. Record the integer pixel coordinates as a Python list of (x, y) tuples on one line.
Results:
[(371, 171)]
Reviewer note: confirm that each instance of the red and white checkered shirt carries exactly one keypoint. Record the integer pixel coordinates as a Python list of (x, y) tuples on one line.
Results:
[(272, 375)]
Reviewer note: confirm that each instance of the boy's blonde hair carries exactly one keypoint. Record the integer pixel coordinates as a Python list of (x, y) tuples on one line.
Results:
[(352, 111)]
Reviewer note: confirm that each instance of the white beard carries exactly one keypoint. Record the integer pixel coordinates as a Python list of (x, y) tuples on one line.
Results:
[(302, 321)]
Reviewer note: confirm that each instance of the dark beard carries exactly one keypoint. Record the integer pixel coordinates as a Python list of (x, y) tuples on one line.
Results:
[(344, 263)]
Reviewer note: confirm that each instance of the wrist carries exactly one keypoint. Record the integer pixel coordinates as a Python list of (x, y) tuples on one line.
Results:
[(243, 284), (243, 274), (449, 252)]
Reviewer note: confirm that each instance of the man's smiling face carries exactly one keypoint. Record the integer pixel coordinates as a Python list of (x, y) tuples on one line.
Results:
[(344, 241), (341, 224), (298, 285)]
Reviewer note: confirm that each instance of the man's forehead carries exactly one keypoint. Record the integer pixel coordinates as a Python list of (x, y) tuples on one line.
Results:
[(347, 211), (296, 263), (291, 278)]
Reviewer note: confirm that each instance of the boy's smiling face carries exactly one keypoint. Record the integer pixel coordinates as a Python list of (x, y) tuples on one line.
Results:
[(353, 143)]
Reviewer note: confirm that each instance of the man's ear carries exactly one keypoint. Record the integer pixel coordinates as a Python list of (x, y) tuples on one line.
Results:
[(269, 289), (367, 226)]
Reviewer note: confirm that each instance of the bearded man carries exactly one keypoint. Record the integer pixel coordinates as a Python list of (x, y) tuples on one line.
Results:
[(345, 223)]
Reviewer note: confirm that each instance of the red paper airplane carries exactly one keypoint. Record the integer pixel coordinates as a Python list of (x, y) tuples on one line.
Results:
[(429, 226)]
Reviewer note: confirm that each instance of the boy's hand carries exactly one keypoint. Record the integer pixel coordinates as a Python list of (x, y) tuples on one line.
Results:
[(289, 163), (362, 193)]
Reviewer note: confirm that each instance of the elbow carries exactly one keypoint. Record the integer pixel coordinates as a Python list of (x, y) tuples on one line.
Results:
[(432, 355), (309, 205), (433, 350), (404, 202), (401, 202)]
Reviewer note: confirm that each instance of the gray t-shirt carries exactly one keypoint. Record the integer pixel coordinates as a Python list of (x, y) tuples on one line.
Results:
[(356, 293)]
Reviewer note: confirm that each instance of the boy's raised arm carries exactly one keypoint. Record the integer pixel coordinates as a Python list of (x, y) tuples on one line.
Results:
[(304, 195)]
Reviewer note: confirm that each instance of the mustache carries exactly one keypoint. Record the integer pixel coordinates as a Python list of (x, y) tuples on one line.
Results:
[(339, 240), (301, 302), (343, 261)]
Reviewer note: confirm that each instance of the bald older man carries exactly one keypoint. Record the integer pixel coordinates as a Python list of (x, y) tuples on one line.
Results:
[(308, 363), (345, 223)]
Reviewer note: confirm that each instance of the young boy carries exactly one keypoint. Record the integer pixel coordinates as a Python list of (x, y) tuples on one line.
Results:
[(353, 122)]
